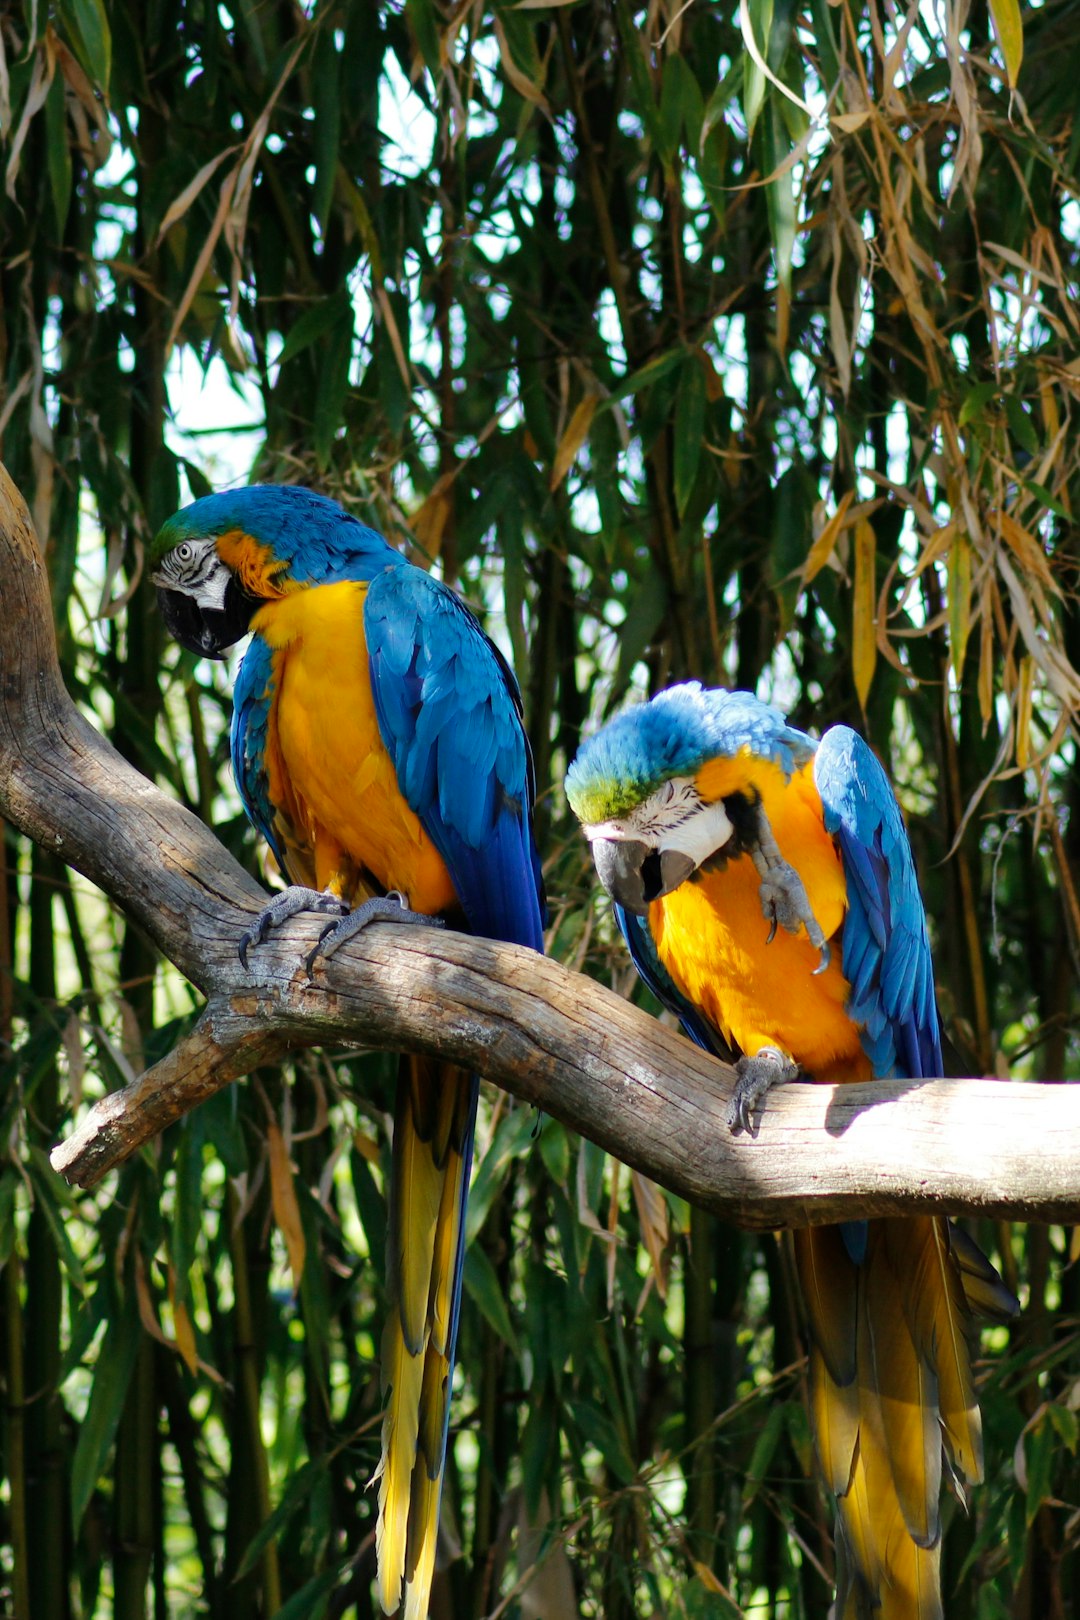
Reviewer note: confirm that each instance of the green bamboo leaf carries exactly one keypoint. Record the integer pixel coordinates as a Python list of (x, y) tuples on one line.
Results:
[(689, 429), (644, 614), (539, 1451), (764, 1450), (649, 373), (423, 19), (483, 1287), (975, 402), (512, 1137), (310, 1602), (88, 26), (8, 1185), (326, 69), (1009, 28), (779, 192), (314, 323), (760, 14), (792, 508), (49, 1191), (555, 1151), (188, 1201), (1039, 1449), (112, 1375), (300, 1486), (58, 151), (600, 1431), (1021, 426)]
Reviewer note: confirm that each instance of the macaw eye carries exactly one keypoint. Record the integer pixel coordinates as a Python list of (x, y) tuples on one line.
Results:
[(185, 551)]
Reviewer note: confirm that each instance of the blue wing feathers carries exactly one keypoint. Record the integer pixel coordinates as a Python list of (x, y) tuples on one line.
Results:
[(449, 715), (247, 738), (885, 946)]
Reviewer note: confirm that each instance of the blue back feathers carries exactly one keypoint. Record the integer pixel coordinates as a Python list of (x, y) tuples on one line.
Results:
[(450, 715), (317, 540)]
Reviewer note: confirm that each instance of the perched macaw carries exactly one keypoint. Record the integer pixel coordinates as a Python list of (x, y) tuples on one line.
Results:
[(377, 744), (712, 822)]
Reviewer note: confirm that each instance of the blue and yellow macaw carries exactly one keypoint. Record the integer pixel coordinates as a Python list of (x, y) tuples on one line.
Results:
[(765, 887), (377, 744)]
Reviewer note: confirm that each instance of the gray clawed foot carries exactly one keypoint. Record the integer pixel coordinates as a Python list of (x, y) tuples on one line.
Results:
[(381, 908), (783, 894), (289, 904), (756, 1076)]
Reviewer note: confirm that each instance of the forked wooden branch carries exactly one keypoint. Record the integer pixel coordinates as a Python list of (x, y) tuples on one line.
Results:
[(549, 1036)]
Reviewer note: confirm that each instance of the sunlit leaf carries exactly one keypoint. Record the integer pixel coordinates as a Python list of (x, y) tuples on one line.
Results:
[(1009, 28), (863, 608)]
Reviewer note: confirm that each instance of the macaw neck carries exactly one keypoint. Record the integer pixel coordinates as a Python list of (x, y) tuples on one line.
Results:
[(712, 936), (267, 574)]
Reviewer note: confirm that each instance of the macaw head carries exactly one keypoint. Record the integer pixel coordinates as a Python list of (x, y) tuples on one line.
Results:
[(651, 803), (221, 558)]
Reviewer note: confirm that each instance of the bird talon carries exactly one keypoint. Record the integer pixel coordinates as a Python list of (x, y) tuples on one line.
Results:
[(826, 958), (772, 932)]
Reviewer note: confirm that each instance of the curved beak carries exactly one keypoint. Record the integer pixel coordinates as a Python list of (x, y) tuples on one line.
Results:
[(208, 632), (635, 875)]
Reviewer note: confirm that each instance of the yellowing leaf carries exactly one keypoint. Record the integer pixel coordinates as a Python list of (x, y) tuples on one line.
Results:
[(959, 601), (986, 656), (573, 438), (709, 1581), (1023, 710), (283, 1199), (823, 547), (653, 1218), (182, 1328), (1010, 34), (864, 637)]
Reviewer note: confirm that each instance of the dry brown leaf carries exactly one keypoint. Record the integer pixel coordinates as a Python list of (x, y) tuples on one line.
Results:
[(284, 1201), (823, 546), (959, 601), (180, 204), (520, 81), (652, 1213), (1023, 711), (864, 631), (40, 82), (986, 654), (1029, 553), (182, 1327), (577, 430)]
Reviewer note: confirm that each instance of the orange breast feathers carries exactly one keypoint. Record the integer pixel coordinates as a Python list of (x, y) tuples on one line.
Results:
[(711, 933), (330, 778)]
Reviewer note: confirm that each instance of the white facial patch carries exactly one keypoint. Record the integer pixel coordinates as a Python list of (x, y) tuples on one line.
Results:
[(674, 817), (195, 569)]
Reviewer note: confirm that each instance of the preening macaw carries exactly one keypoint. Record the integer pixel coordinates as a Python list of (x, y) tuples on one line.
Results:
[(766, 890), (378, 747)]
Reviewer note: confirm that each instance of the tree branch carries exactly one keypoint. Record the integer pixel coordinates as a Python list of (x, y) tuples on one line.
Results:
[(551, 1037)]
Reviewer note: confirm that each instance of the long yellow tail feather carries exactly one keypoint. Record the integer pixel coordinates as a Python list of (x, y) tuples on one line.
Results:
[(890, 1387), (433, 1127)]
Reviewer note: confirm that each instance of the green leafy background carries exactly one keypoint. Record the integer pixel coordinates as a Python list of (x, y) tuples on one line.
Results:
[(683, 340)]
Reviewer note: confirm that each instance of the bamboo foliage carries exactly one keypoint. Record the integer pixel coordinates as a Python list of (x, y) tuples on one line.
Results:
[(735, 342)]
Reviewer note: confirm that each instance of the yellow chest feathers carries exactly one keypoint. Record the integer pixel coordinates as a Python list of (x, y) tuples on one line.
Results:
[(341, 812), (711, 934)]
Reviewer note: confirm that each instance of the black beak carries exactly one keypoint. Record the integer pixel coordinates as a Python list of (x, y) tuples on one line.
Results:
[(209, 632), (635, 875)]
